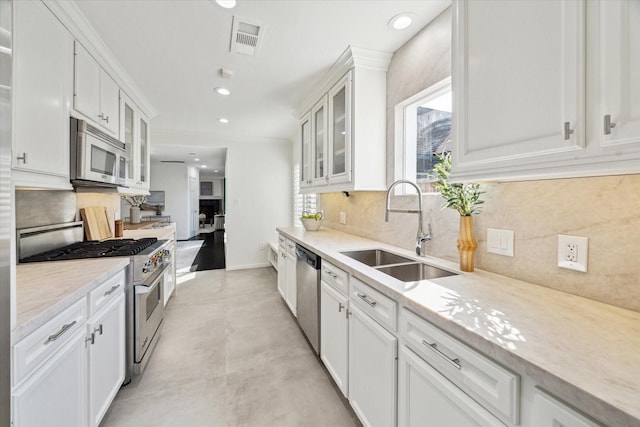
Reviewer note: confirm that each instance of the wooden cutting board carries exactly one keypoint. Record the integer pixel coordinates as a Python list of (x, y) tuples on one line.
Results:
[(96, 223)]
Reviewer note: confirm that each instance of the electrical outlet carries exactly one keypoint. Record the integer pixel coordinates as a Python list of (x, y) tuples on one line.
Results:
[(573, 252), (343, 218)]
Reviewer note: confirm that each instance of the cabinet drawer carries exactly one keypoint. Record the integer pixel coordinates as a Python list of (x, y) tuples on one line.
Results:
[(290, 246), (37, 347), (379, 306), (334, 276), (550, 412), (495, 387), (108, 291)]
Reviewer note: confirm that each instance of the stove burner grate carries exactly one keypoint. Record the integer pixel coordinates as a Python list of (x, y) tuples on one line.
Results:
[(94, 249)]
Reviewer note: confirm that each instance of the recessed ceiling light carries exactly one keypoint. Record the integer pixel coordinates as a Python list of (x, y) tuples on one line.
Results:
[(401, 21), (215, 170), (227, 4), (203, 166), (223, 120), (197, 160), (222, 91)]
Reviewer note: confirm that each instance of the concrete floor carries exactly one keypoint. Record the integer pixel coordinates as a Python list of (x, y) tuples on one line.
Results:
[(230, 354)]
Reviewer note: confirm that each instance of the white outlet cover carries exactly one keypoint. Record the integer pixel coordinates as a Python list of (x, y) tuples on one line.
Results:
[(582, 249), (343, 218)]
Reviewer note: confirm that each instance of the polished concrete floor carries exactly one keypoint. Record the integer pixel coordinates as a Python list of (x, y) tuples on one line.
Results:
[(230, 354)]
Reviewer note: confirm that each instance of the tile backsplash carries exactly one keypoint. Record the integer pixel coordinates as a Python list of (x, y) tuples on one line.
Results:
[(604, 209)]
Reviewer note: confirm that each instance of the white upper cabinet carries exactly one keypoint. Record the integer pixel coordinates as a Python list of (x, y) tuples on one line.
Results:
[(41, 99), (134, 132), (319, 142), (343, 128), (615, 69), (555, 98), (518, 84), (96, 94)]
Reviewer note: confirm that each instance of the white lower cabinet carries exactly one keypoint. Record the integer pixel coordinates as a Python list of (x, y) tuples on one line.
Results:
[(55, 395), (372, 370), (426, 398), (68, 371), (106, 358), (334, 335), (287, 285)]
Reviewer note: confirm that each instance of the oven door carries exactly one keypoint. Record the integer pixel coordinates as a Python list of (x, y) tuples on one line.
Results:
[(148, 312)]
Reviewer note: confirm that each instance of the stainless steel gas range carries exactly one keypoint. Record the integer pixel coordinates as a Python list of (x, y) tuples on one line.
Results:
[(150, 258)]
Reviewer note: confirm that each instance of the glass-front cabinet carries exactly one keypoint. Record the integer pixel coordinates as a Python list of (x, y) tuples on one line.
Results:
[(305, 154), (134, 132), (343, 126), (340, 135), (319, 142)]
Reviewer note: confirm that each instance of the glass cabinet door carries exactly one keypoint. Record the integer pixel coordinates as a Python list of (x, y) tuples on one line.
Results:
[(305, 161), (319, 140), (128, 134), (340, 130), (144, 151)]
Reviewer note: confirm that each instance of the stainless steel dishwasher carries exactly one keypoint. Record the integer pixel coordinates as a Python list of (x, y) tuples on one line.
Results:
[(308, 295)]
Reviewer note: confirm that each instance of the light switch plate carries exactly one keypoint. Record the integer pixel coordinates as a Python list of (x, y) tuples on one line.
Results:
[(500, 241), (343, 218), (573, 252)]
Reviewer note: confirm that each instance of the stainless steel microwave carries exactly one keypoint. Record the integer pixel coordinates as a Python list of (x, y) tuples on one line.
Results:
[(97, 159)]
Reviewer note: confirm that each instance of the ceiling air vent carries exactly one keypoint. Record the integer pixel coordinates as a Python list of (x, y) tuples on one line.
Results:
[(246, 36), (171, 161)]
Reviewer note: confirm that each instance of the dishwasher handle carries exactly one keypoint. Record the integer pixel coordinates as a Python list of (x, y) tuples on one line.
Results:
[(308, 257)]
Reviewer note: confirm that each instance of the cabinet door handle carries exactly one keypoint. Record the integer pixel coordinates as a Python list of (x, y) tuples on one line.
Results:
[(434, 346), (347, 313), (340, 307), (367, 300), (58, 334), (23, 158), (97, 330), (112, 290), (91, 339), (567, 131), (608, 124)]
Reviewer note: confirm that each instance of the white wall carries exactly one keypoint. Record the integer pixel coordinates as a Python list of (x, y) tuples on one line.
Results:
[(258, 197), (172, 178)]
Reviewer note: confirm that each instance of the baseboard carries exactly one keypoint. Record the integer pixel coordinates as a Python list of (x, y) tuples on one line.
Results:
[(248, 266)]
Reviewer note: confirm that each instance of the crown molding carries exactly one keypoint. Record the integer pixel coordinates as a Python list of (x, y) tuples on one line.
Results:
[(352, 57)]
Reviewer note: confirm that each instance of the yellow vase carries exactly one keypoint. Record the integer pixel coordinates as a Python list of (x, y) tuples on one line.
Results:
[(467, 243)]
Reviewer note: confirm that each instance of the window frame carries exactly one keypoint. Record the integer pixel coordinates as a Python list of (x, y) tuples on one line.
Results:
[(402, 165)]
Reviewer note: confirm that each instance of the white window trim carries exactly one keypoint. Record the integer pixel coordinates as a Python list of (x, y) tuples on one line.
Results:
[(400, 169)]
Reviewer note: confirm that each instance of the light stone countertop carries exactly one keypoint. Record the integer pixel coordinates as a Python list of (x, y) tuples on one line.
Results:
[(45, 289), (166, 232), (583, 351)]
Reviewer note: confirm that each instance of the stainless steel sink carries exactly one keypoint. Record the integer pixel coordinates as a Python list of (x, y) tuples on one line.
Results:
[(377, 257), (415, 272)]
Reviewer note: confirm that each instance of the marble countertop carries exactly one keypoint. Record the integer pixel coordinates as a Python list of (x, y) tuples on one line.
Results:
[(45, 289), (583, 351)]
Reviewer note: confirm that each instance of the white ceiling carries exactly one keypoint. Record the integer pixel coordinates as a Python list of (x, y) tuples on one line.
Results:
[(173, 49)]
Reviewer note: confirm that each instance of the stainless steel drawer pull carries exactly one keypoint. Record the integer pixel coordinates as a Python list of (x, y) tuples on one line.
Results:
[(608, 124), (340, 307), (98, 330), (112, 290), (367, 300), (434, 346), (331, 273), (58, 334)]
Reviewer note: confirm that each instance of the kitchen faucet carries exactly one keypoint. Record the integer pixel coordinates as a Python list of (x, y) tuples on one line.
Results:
[(421, 236)]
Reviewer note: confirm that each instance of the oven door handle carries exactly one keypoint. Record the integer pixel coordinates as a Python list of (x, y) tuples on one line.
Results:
[(147, 289)]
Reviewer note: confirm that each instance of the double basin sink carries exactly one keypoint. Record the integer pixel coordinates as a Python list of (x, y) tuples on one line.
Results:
[(397, 266)]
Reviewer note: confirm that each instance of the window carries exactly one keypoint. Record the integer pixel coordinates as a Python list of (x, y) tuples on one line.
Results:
[(302, 202), (423, 130)]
